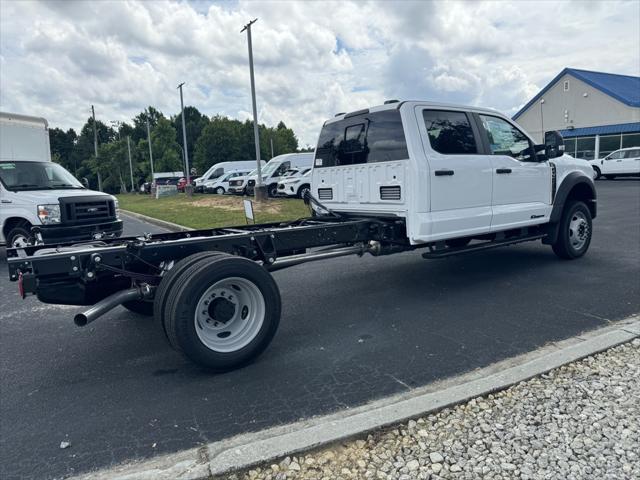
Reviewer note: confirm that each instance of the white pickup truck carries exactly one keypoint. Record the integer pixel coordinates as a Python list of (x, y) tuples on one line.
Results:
[(398, 177), (38, 193)]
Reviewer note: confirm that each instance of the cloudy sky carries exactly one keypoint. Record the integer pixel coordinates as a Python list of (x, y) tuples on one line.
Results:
[(312, 59)]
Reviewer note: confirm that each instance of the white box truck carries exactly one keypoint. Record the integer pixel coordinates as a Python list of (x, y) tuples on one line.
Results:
[(39, 199)]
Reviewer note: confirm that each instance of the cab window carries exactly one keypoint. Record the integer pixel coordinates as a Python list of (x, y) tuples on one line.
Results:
[(505, 139), (615, 156), (450, 132)]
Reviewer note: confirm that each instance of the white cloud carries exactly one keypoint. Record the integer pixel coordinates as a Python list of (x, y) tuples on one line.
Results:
[(312, 59)]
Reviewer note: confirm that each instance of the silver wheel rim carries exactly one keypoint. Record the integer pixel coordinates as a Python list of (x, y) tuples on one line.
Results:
[(220, 190), (20, 241), (229, 314), (303, 192), (578, 230)]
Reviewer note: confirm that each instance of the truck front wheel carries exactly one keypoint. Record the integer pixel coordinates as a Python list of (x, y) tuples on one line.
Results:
[(222, 312), (272, 189), (574, 231), (19, 236)]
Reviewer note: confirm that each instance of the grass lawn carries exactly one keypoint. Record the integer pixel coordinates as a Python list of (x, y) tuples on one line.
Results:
[(206, 211)]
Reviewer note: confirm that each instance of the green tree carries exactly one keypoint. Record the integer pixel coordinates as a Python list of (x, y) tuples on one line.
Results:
[(62, 145), (218, 142), (194, 124)]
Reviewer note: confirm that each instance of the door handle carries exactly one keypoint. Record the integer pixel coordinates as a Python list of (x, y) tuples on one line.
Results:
[(6, 201), (503, 170), (441, 173)]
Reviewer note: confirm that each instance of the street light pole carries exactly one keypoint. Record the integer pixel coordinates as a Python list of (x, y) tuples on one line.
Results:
[(260, 190), (130, 164), (150, 150), (95, 146), (187, 187)]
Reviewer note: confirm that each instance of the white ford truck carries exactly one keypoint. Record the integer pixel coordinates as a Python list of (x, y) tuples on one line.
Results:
[(39, 199), (399, 177)]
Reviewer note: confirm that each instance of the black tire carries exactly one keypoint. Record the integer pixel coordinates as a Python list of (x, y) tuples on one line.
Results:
[(220, 190), (141, 307), (564, 247), (17, 233), (598, 172), (457, 242), (609, 177), (169, 279), (272, 190), (194, 283), (304, 188)]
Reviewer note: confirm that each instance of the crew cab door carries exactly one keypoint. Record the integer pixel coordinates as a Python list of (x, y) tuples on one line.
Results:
[(460, 175), (521, 184)]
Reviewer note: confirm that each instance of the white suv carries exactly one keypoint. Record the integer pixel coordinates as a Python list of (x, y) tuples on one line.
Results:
[(621, 163)]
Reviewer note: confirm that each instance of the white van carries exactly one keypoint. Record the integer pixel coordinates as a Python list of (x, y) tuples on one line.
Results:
[(276, 168), (35, 192), (218, 169)]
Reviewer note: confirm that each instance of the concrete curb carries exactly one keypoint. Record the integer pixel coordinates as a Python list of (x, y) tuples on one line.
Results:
[(172, 227), (249, 449)]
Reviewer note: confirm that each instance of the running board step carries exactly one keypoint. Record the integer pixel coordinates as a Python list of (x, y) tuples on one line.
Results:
[(447, 252)]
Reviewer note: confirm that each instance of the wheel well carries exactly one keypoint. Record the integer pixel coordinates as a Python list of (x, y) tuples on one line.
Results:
[(304, 185), (13, 222), (583, 193)]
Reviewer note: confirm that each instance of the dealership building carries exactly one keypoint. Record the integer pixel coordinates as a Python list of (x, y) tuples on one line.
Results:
[(595, 112)]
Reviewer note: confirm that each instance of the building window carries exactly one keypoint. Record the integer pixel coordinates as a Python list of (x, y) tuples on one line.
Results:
[(586, 148), (631, 140), (570, 146), (608, 144), (566, 85)]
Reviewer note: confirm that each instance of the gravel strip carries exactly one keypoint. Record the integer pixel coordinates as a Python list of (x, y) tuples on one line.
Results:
[(580, 421)]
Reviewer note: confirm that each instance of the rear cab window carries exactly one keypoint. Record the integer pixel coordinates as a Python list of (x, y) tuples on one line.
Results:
[(369, 137)]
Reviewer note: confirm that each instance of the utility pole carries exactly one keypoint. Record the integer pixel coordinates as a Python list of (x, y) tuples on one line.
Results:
[(130, 164), (260, 191), (271, 139), (95, 146), (187, 188), (150, 150)]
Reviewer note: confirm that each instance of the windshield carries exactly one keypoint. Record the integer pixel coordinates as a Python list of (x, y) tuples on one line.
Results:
[(18, 176)]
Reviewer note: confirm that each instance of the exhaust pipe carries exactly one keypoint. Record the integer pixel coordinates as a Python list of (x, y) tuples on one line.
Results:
[(106, 304)]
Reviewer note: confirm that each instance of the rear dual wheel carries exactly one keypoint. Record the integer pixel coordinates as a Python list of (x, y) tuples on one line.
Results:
[(220, 311)]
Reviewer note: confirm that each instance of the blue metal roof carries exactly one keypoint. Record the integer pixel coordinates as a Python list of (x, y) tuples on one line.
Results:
[(602, 130), (623, 88)]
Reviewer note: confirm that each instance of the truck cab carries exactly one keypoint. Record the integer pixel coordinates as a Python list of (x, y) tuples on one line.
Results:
[(276, 169), (448, 171), (36, 192)]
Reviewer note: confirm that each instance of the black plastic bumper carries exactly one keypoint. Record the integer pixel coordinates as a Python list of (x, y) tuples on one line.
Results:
[(77, 233)]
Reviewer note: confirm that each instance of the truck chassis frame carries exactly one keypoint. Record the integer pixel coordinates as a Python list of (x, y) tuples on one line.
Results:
[(140, 272)]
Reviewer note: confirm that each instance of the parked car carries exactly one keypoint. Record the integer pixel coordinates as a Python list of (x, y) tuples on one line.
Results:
[(182, 182), (276, 168), (295, 185), (36, 192), (621, 163), (238, 185), (218, 169), (220, 185)]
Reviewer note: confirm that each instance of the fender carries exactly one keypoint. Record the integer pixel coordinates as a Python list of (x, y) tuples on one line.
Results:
[(586, 193), (570, 181)]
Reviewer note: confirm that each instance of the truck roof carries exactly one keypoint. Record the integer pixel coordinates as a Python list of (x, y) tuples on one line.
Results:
[(20, 118), (397, 104)]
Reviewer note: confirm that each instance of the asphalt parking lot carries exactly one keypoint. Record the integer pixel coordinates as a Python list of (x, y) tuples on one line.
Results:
[(352, 330)]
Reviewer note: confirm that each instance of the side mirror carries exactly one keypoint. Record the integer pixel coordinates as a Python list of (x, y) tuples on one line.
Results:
[(85, 182), (553, 144)]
